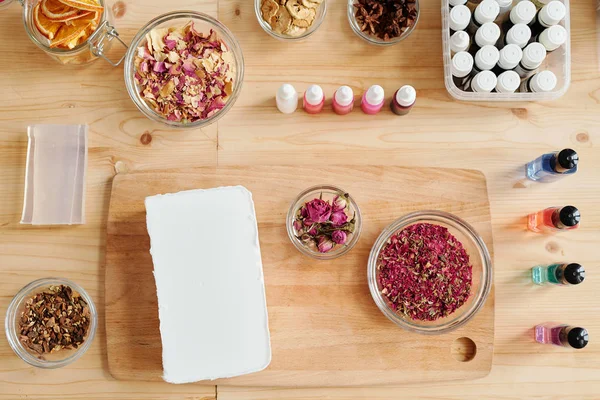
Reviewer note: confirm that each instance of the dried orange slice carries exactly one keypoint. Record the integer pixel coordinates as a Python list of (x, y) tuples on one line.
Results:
[(46, 26), (57, 11), (72, 32), (89, 5)]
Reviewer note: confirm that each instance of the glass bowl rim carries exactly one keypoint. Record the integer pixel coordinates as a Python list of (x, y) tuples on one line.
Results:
[(129, 67), (309, 32), (11, 328), (374, 39), (449, 219), (292, 213)]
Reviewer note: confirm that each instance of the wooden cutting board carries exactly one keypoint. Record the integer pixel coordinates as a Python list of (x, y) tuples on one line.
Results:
[(325, 328)]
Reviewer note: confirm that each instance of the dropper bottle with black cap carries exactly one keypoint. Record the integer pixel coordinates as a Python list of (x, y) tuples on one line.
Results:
[(561, 335), (553, 166), (558, 274), (554, 219)]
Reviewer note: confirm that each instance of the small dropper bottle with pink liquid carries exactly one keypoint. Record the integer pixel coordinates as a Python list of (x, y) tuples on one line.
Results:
[(373, 100), (314, 99)]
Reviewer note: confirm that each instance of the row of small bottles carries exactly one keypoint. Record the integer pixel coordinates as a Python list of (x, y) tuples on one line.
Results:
[(504, 60), (548, 168), (372, 101)]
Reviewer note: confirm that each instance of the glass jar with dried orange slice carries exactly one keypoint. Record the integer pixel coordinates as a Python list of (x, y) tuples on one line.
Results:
[(70, 31)]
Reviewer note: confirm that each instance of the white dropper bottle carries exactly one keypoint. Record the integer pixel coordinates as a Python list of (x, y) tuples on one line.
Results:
[(287, 99)]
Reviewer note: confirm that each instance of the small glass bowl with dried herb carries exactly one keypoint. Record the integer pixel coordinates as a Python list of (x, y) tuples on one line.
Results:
[(383, 22), (51, 322), (290, 20), (429, 272), (324, 222)]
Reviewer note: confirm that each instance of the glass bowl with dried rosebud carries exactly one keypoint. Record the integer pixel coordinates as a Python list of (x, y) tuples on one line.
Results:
[(184, 69), (290, 20), (51, 322), (429, 272), (324, 222), (383, 22)]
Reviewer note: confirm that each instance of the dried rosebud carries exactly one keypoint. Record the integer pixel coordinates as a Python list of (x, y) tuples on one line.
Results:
[(304, 212), (324, 244), (318, 210), (339, 218), (339, 203), (298, 225), (313, 231), (339, 237)]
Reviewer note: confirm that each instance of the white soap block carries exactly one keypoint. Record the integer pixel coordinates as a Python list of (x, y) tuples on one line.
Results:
[(210, 284)]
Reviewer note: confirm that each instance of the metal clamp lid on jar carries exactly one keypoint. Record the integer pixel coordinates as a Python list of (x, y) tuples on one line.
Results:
[(97, 42)]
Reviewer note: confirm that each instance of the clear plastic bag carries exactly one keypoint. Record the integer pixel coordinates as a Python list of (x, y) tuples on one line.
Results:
[(55, 175)]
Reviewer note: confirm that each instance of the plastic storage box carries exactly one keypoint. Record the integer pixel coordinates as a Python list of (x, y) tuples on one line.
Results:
[(559, 62)]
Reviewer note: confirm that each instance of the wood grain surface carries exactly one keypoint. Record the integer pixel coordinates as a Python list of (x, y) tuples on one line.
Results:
[(494, 138), (325, 327)]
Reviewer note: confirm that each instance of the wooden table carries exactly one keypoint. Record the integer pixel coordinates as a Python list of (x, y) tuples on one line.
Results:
[(495, 138)]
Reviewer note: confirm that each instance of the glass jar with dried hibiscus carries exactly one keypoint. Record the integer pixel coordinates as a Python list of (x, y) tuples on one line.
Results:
[(430, 272), (324, 222)]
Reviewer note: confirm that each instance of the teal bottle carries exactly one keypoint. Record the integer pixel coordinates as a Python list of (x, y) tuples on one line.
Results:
[(558, 274)]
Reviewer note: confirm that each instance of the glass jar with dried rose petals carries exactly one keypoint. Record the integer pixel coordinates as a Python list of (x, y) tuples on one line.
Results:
[(184, 69), (324, 222), (430, 272)]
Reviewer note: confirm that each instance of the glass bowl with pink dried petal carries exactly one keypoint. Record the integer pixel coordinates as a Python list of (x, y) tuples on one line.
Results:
[(324, 222), (184, 69), (429, 272)]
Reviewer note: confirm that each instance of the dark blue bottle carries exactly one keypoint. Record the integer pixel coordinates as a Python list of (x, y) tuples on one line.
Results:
[(552, 166)]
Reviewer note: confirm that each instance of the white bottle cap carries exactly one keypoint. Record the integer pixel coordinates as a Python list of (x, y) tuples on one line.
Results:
[(459, 41), (533, 55), (544, 81), (406, 96), (519, 35), (488, 33), (553, 37), (523, 12), (462, 64), (375, 95), (552, 13), (344, 96), (286, 92), (485, 81), (487, 11), (454, 3), (510, 56), (504, 3), (508, 82), (314, 95), (487, 57), (460, 16)]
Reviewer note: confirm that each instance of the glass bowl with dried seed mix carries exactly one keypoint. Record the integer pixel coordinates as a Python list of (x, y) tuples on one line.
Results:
[(383, 22), (51, 322), (290, 20), (184, 69), (429, 272), (324, 222)]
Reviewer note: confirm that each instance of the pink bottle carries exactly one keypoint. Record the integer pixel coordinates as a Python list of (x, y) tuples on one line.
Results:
[(314, 99), (343, 100), (373, 100)]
